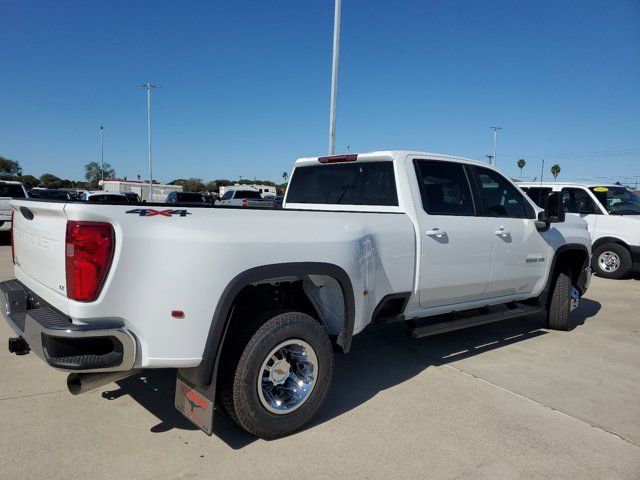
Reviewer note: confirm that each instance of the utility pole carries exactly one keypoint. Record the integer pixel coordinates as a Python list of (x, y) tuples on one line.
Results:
[(490, 157), (542, 171), (495, 141), (149, 86), (102, 154), (334, 77)]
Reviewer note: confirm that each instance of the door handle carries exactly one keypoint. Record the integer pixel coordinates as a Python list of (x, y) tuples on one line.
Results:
[(436, 233), (501, 232)]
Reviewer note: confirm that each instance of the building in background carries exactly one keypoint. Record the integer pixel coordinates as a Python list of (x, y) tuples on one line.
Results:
[(158, 192)]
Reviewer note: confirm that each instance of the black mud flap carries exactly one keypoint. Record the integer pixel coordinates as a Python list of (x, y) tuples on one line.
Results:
[(194, 404)]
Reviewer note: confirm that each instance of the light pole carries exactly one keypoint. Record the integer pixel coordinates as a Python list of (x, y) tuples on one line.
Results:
[(102, 154), (149, 86), (334, 77), (495, 141), (490, 157)]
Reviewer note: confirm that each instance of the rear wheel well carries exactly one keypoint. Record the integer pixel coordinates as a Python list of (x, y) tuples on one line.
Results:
[(319, 296)]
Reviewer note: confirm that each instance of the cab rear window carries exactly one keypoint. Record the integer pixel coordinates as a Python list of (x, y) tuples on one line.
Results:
[(11, 190), (365, 183)]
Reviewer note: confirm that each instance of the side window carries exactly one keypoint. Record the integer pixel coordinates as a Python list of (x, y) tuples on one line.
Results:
[(444, 188), (499, 197), (227, 195), (538, 195), (577, 200)]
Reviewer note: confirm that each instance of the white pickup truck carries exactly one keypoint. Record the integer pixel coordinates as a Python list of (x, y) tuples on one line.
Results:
[(438, 242)]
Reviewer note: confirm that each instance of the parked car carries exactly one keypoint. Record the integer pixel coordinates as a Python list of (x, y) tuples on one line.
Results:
[(243, 197), (613, 215), (186, 198), (8, 190), (100, 196), (362, 239)]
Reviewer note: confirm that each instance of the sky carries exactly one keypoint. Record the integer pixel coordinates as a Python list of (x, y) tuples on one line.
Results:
[(245, 85)]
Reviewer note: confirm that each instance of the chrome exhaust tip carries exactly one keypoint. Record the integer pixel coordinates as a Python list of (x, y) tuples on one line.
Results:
[(78, 383)]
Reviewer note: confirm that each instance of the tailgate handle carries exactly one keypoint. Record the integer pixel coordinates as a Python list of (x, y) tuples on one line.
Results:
[(26, 213)]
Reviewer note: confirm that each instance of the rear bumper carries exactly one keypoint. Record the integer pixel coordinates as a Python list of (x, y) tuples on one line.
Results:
[(98, 347)]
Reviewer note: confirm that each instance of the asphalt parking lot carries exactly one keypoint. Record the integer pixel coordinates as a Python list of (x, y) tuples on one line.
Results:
[(509, 400)]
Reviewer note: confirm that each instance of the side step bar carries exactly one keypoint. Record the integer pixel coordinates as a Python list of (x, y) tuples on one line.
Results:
[(512, 311)]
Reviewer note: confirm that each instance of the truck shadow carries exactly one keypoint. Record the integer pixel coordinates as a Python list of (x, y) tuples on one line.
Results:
[(380, 358)]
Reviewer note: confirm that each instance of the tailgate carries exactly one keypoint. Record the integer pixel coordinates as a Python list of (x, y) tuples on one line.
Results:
[(39, 232)]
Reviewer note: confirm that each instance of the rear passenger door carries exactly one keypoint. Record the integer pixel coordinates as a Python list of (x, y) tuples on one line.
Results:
[(520, 253), (455, 243)]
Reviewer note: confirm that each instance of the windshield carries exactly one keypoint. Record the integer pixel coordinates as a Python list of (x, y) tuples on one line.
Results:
[(618, 200)]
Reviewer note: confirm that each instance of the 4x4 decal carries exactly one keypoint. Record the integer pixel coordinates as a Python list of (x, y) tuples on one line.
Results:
[(150, 212)]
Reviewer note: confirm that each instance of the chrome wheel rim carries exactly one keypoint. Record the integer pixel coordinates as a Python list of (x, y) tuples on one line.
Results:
[(287, 376), (609, 261)]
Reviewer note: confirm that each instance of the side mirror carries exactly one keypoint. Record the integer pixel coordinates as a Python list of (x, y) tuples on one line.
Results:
[(554, 210)]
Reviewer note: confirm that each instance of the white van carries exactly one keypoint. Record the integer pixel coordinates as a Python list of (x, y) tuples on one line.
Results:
[(9, 190), (613, 215)]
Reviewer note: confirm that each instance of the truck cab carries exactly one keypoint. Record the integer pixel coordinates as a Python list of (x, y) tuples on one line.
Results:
[(612, 213)]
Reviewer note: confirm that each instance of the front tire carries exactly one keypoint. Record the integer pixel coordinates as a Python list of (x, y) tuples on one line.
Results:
[(612, 261), (559, 312), (277, 374)]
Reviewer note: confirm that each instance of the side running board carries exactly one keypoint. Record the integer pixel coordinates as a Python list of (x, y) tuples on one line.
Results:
[(512, 311)]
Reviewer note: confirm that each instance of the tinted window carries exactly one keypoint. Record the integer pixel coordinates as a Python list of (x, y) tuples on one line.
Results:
[(54, 194), (577, 200), (366, 183), (108, 199), (538, 195), (444, 188), (11, 190), (499, 197), (189, 197), (227, 195), (247, 194)]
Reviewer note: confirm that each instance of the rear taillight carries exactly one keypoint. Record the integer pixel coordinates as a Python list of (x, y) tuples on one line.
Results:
[(13, 253), (244, 202), (88, 254)]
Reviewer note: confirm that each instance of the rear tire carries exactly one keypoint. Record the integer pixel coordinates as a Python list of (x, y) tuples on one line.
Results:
[(559, 312), (612, 260), (277, 373)]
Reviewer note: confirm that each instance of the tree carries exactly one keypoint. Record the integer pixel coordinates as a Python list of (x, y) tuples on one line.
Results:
[(521, 164), (29, 181), (93, 173), (555, 171), (285, 175), (9, 168), (190, 184), (49, 180)]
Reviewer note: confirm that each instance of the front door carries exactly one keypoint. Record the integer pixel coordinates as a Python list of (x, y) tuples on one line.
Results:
[(455, 244), (578, 200), (520, 253)]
